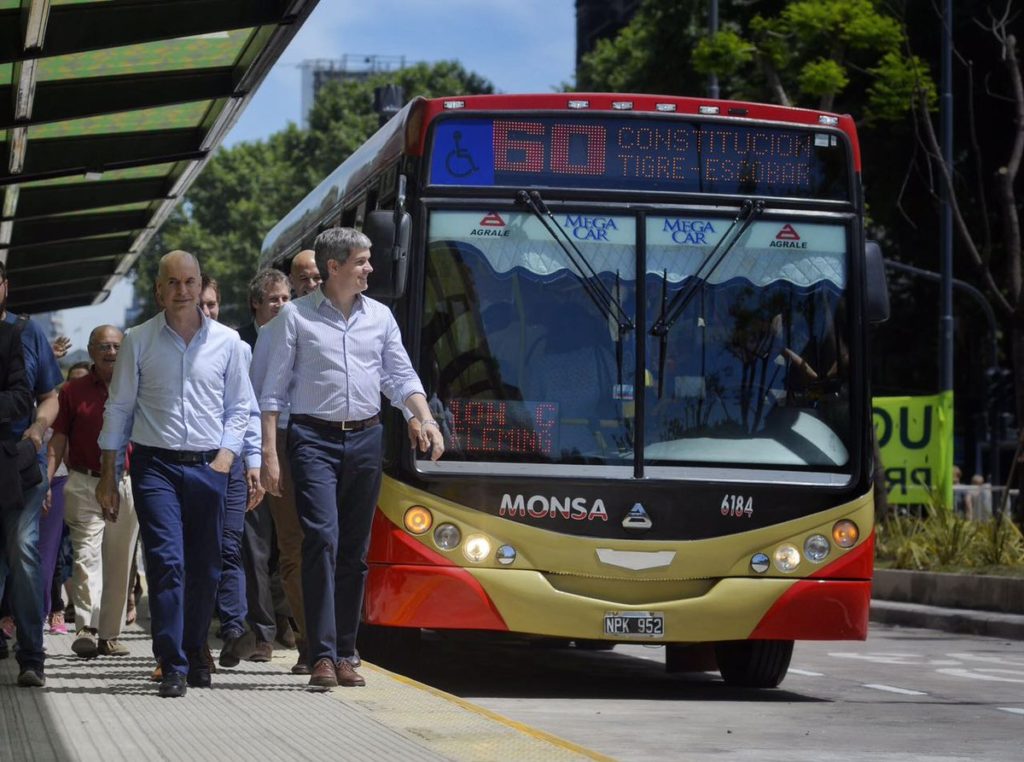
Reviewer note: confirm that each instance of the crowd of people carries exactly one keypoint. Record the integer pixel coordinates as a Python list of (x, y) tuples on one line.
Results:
[(246, 465)]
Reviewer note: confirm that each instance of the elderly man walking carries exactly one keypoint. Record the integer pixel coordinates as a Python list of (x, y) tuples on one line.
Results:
[(103, 549), (180, 393), (330, 354)]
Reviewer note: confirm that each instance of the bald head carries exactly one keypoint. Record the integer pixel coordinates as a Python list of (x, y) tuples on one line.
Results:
[(104, 343), (304, 275), (178, 282)]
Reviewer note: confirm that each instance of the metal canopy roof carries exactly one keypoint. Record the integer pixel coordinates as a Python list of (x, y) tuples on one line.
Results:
[(109, 109)]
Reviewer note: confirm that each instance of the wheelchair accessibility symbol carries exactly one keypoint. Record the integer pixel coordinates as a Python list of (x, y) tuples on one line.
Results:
[(459, 162)]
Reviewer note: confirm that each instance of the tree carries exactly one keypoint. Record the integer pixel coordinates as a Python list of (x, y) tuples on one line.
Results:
[(244, 190)]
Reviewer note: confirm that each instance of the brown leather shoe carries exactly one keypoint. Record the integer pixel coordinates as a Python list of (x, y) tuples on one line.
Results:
[(262, 651), (346, 674), (301, 667), (285, 634), (323, 677)]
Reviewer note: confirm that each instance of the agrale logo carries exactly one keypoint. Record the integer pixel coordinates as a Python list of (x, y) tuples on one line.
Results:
[(787, 238), (492, 225)]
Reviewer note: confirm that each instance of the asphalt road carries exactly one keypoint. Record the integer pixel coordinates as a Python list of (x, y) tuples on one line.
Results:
[(904, 694)]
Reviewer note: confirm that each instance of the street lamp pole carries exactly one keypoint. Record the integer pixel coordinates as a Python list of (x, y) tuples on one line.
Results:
[(712, 31)]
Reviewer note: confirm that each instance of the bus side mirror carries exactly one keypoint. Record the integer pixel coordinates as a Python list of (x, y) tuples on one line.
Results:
[(391, 234), (876, 287)]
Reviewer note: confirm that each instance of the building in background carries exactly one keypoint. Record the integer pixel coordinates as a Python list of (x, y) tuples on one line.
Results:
[(317, 72), (598, 20)]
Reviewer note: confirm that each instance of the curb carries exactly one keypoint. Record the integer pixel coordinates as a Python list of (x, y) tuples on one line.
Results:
[(965, 621)]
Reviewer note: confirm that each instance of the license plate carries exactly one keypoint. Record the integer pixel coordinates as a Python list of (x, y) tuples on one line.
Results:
[(635, 624)]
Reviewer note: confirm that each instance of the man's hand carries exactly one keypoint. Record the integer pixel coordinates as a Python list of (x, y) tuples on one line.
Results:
[(415, 433), (430, 438), (222, 463), (47, 502), (256, 491), (270, 474), (108, 497), (60, 346), (35, 433)]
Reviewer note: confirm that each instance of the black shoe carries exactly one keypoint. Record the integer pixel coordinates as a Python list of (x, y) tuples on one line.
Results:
[(31, 677), (229, 653), (198, 670), (4, 650), (173, 685)]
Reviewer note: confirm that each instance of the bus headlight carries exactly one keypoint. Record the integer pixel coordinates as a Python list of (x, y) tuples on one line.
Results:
[(447, 536), (845, 533), (505, 554), (418, 520), (816, 547), (476, 548), (787, 558)]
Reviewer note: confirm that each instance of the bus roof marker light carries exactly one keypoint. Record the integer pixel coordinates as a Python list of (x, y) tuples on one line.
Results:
[(708, 109), (476, 548), (845, 533), (787, 558), (447, 536), (622, 105), (418, 520), (760, 563), (454, 104), (578, 104), (505, 555), (668, 107), (831, 121)]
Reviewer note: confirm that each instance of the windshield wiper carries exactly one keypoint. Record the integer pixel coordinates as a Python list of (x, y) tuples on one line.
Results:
[(672, 311), (603, 299)]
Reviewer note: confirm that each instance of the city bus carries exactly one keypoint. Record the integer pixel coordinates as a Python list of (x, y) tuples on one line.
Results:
[(641, 324)]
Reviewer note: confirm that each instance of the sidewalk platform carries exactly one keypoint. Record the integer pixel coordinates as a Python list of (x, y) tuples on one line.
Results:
[(107, 709)]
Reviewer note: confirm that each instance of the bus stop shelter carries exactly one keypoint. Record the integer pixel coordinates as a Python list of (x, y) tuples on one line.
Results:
[(109, 111)]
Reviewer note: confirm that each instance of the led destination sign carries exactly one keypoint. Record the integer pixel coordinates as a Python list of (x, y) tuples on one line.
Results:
[(639, 154)]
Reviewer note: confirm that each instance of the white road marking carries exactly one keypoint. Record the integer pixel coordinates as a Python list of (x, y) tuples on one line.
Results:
[(1009, 661), (984, 674), (893, 689), (805, 672), (880, 658), (1011, 709)]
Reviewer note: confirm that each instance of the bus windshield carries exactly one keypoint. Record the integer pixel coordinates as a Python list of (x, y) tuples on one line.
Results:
[(521, 365)]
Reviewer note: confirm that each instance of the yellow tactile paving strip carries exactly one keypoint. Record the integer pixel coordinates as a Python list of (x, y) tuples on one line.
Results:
[(453, 727)]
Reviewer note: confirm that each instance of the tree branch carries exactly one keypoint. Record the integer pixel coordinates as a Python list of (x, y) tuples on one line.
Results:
[(958, 219)]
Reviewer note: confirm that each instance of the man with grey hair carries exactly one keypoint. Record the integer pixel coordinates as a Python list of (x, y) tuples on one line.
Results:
[(329, 355), (181, 394)]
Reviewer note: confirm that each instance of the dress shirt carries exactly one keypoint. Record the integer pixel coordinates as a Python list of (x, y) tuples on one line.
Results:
[(313, 359), (180, 397), (283, 413), (252, 440)]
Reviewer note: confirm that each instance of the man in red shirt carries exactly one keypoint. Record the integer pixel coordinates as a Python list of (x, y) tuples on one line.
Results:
[(103, 549)]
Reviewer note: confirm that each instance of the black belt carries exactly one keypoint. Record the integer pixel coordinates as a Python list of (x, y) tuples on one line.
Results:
[(323, 423), (86, 471), (176, 456)]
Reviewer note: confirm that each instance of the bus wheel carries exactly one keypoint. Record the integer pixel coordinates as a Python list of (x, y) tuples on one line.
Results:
[(754, 663)]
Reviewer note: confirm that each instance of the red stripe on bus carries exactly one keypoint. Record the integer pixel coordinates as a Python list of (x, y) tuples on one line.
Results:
[(818, 609), (438, 597)]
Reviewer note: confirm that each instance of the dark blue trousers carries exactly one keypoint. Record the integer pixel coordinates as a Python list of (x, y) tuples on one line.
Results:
[(231, 607), (337, 481), (181, 518)]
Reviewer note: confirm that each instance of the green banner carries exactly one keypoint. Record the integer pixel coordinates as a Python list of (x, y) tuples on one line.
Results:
[(915, 435)]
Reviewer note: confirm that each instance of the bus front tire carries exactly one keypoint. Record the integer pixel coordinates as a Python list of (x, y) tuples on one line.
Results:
[(754, 663)]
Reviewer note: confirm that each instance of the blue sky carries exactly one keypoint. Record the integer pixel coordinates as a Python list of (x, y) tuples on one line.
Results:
[(519, 45)]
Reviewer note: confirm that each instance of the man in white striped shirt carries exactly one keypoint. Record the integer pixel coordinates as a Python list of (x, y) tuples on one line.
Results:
[(329, 355)]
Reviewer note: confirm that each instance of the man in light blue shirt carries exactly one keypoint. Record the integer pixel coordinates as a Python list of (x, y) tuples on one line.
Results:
[(330, 354), (181, 395)]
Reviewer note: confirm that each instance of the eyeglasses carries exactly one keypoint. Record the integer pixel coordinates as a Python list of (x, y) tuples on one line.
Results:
[(107, 347)]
